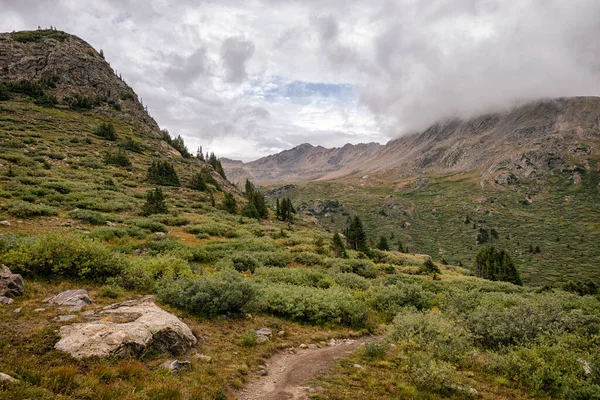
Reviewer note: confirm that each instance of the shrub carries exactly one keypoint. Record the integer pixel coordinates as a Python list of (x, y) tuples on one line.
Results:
[(111, 291), (331, 306), (308, 259), (91, 217), (295, 276), (65, 256), (429, 374), (375, 350), (223, 293), (106, 131), (4, 94), (46, 100), (441, 337), (119, 159), (148, 273), (276, 259), (244, 262), (155, 203), (197, 182), (429, 267), (22, 209), (364, 268), (162, 173), (132, 145), (229, 203), (391, 299), (212, 229), (148, 224), (249, 339), (351, 281)]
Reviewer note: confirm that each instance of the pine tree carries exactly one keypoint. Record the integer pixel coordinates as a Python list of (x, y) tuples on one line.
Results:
[(339, 249), (199, 154), (383, 244), (401, 248), (216, 164), (496, 266), (197, 182), (162, 173), (356, 236), (229, 203), (155, 203)]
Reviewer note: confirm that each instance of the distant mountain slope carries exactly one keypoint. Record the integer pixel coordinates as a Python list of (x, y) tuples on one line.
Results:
[(520, 143), (502, 147), (302, 163)]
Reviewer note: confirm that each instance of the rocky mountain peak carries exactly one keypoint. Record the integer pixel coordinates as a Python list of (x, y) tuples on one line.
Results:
[(68, 68)]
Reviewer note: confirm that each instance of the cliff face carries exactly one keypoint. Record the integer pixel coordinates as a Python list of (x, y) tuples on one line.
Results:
[(302, 163), (70, 69)]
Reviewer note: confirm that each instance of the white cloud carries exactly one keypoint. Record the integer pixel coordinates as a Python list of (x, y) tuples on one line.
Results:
[(248, 78)]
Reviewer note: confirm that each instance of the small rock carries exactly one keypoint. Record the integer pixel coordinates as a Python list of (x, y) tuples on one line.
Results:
[(392, 345), (331, 342), (160, 235), (18, 310), (39, 309), (73, 300), (5, 300), (7, 378), (248, 316), (11, 285), (174, 366), (111, 224), (264, 332), (312, 346), (5, 223), (303, 346), (260, 339), (262, 367), (64, 318), (281, 333), (203, 357), (358, 366), (261, 372)]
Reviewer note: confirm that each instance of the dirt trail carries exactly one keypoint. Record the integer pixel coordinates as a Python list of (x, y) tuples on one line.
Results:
[(288, 373)]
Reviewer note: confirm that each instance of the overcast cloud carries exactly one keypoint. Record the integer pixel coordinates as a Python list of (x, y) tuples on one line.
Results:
[(248, 78)]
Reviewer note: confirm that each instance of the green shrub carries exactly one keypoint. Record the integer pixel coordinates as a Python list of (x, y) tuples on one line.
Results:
[(111, 291), (213, 229), (364, 268), (91, 217), (276, 259), (295, 276), (351, 281), (317, 306), (223, 293), (172, 221), (65, 256), (244, 262), (132, 145), (375, 350), (391, 299), (38, 35), (249, 339), (106, 131), (120, 159), (308, 259), (22, 209), (441, 337), (148, 224), (432, 375)]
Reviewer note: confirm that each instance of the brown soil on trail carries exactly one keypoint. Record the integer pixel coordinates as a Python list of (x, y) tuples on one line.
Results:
[(288, 374)]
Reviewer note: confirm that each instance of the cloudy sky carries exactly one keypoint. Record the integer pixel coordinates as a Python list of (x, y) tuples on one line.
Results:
[(247, 78)]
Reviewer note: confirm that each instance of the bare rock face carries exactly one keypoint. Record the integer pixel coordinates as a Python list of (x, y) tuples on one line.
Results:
[(129, 328), (11, 285), (70, 300)]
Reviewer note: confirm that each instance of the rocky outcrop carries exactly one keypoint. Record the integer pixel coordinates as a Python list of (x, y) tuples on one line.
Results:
[(70, 300), (67, 66), (129, 328), (11, 285), (7, 378)]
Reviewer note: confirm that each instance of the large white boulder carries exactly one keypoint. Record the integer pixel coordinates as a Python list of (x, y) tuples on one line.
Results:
[(129, 328)]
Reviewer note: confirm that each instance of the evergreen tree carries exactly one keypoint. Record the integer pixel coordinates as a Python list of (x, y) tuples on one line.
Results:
[(197, 182), (257, 200), (383, 244), (429, 267), (401, 248), (199, 154), (229, 203), (216, 164), (356, 236), (162, 173), (278, 209), (496, 266), (250, 211), (155, 203), (286, 210), (339, 249)]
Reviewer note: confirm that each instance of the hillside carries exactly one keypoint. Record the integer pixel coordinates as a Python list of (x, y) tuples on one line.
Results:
[(302, 163), (109, 291)]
